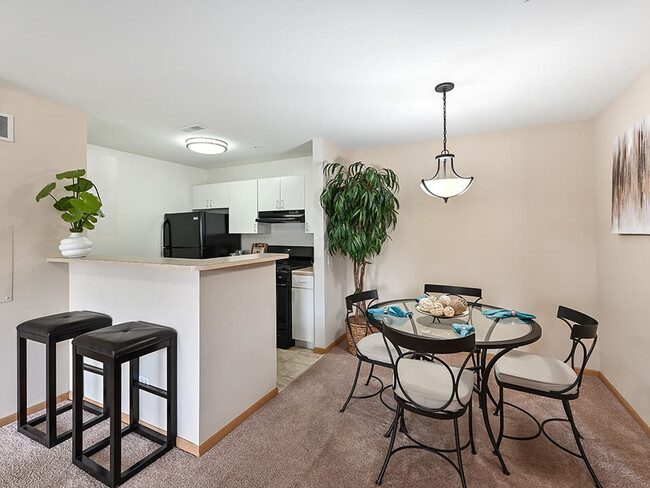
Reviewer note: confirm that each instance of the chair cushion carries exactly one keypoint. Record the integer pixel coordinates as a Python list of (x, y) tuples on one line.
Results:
[(429, 384), (374, 348), (66, 324), (124, 338), (535, 372)]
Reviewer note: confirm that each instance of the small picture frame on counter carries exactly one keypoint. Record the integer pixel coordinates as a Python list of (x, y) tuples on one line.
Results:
[(259, 248)]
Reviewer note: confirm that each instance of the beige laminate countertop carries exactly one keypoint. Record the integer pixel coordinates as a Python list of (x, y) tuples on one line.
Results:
[(177, 264), (304, 271)]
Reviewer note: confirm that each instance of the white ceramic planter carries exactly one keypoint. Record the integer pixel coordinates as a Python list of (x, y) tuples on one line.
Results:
[(76, 245)]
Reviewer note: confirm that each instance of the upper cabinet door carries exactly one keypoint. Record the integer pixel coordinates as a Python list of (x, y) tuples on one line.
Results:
[(213, 195), (292, 192), (268, 194), (243, 207)]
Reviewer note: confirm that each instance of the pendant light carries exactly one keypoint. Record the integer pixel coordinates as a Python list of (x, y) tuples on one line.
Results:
[(446, 183)]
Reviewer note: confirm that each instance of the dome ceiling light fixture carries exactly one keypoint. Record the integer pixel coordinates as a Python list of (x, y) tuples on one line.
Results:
[(206, 145), (446, 183)]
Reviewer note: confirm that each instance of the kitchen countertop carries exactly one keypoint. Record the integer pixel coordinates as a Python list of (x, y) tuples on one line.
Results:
[(304, 271), (177, 264)]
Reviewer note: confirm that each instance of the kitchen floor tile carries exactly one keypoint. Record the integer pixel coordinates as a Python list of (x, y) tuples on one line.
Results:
[(285, 354), (292, 369), (306, 357), (283, 381)]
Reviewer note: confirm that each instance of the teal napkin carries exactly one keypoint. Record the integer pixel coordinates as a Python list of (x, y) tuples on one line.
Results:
[(502, 313), (417, 300), (463, 329), (393, 310)]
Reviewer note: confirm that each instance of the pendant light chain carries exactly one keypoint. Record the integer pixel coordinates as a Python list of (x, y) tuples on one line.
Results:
[(444, 123)]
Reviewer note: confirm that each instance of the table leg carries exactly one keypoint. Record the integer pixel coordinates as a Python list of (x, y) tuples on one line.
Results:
[(483, 401)]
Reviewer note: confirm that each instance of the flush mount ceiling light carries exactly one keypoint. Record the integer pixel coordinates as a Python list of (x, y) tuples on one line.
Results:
[(206, 145), (446, 183)]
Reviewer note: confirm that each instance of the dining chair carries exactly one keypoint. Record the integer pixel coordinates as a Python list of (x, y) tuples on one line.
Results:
[(551, 378), (463, 291), (370, 349), (431, 387)]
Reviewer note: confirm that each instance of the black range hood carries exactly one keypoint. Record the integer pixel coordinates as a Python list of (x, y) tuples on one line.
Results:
[(280, 216)]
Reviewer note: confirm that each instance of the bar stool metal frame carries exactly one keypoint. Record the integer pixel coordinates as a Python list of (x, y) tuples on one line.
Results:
[(49, 437), (113, 375)]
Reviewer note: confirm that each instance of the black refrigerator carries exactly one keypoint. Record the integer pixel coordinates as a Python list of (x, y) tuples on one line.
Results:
[(198, 235)]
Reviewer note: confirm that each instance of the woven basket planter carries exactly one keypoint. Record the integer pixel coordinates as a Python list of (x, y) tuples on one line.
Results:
[(358, 326)]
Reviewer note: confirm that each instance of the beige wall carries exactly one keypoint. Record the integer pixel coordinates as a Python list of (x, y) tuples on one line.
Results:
[(49, 138), (524, 232), (623, 262)]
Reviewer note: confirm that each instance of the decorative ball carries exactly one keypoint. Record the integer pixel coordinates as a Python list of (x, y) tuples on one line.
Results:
[(438, 309), (448, 311), (426, 304), (458, 304), (445, 300)]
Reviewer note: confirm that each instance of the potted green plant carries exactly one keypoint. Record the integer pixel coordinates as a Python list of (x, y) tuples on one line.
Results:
[(361, 208), (80, 209)]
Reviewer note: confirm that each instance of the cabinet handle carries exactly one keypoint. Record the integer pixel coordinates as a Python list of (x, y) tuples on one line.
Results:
[(277, 204), (254, 227), (306, 226), (281, 203), (207, 203), (211, 202)]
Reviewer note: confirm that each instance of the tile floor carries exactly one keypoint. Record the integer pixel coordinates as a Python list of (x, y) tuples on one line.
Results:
[(292, 363)]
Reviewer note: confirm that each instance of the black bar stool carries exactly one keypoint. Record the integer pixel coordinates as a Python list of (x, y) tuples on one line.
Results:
[(114, 346), (50, 330)]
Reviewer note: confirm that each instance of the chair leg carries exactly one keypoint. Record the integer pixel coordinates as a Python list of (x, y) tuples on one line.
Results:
[(576, 435), (398, 415), (77, 403), (134, 392), (22, 381), (114, 371), (172, 392), (50, 393), (354, 385), (501, 418), (372, 369), (471, 428), (459, 455)]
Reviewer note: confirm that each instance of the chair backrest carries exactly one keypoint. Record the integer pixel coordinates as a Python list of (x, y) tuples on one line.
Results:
[(454, 290), (429, 349), (583, 328), (356, 305)]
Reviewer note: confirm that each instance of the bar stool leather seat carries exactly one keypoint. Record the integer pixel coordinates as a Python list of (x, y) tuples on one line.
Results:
[(124, 339), (66, 325)]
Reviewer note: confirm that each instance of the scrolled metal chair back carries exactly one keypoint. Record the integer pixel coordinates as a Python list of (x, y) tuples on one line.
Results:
[(583, 328), (427, 349), (356, 306), (461, 291)]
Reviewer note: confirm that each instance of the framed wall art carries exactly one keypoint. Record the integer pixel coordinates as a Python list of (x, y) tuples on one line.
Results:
[(631, 180)]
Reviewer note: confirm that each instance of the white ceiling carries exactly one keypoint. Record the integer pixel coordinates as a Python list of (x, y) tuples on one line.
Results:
[(267, 76)]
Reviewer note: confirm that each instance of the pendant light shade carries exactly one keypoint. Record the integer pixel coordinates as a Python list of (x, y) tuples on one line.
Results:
[(446, 183)]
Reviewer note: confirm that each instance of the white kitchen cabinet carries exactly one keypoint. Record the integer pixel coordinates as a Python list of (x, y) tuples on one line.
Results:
[(213, 195), (243, 208), (282, 193), (310, 204), (302, 308), (268, 194)]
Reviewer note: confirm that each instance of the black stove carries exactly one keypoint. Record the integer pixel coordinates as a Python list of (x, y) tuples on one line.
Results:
[(299, 257)]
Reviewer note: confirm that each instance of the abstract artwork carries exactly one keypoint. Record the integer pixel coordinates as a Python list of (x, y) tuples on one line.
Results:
[(631, 180)]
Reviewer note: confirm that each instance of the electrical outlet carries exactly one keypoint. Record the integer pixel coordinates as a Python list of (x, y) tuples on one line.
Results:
[(145, 380)]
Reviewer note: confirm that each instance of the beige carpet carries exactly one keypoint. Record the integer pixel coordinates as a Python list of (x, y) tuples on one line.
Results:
[(300, 439)]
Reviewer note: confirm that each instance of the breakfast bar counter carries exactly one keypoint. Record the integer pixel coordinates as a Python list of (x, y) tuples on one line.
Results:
[(223, 310)]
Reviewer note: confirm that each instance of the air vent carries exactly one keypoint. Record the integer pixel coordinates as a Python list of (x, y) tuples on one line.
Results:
[(6, 127), (192, 128)]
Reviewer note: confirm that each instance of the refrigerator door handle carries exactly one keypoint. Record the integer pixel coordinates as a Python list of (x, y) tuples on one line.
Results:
[(166, 235)]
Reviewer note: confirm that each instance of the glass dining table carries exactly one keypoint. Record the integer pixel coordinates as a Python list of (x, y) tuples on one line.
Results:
[(498, 336)]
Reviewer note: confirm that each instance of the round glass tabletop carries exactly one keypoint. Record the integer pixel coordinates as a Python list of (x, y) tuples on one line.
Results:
[(490, 333)]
